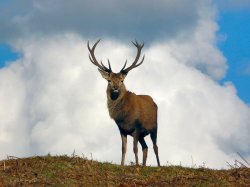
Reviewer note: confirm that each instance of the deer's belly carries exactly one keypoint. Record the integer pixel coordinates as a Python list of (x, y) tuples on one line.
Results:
[(129, 128)]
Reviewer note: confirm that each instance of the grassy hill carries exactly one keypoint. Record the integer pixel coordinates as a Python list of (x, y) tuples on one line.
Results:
[(76, 171)]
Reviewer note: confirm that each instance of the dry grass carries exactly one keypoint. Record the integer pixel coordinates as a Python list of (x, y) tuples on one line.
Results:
[(76, 171)]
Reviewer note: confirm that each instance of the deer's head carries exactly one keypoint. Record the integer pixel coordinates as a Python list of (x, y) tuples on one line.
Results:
[(116, 86)]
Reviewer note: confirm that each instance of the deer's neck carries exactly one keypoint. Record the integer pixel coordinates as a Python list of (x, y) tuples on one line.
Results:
[(116, 107)]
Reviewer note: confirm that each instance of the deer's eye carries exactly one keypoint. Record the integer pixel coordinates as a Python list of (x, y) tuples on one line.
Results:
[(109, 81)]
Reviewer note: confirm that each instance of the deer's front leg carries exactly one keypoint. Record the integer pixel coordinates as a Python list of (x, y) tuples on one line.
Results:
[(124, 147), (136, 138)]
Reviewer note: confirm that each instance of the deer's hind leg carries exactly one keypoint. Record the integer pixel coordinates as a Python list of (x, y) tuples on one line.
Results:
[(144, 150), (153, 136)]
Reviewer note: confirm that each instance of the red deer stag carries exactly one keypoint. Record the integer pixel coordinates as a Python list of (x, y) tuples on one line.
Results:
[(135, 115)]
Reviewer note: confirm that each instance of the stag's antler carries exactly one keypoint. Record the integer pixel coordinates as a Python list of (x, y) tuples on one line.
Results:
[(134, 64), (94, 61)]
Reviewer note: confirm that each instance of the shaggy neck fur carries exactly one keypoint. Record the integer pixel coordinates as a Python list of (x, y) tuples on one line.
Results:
[(115, 107)]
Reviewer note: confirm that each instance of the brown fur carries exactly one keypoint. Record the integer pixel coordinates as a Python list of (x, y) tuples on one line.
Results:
[(131, 108)]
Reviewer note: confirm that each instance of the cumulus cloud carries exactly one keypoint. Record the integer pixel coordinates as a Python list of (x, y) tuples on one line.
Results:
[(198, 49), (53, 99)]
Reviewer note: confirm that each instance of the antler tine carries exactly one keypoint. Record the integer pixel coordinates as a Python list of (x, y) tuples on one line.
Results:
[(124, 66), (109, 69), (136, 44), (93, 48), (109, 65), (140, 62), (134, 64), (93, 59)]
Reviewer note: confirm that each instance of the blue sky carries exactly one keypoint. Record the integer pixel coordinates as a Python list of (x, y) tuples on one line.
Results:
[(235, 26), (7, 54), (197, 69)]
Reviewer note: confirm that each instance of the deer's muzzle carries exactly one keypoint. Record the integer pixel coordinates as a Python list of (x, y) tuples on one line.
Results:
[(114, 94)]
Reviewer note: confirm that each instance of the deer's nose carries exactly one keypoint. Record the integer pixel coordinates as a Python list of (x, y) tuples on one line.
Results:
[(115, 88)]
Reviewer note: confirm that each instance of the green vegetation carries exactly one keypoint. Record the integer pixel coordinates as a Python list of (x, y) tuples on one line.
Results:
[(76, 171)]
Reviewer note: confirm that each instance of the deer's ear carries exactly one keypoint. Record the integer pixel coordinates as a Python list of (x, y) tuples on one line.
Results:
[(104, 74)]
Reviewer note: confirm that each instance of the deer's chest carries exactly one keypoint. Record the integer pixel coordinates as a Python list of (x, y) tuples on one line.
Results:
[(123, 116), (116, 110)]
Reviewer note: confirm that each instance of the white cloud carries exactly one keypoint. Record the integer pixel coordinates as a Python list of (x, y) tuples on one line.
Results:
[(199, 48), (53, 100)]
